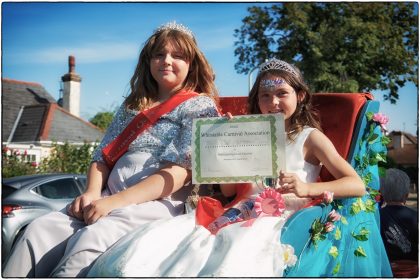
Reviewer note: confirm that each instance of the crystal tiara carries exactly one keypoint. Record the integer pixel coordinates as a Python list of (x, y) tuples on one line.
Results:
[(271, 83), (278, 64), (175, 26)]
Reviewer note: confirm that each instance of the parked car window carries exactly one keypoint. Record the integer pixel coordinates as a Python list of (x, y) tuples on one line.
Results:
[(63, 188), (6, 191), (82, 181)]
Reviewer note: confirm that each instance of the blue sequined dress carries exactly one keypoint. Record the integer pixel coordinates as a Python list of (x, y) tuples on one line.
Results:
[(169, 140)]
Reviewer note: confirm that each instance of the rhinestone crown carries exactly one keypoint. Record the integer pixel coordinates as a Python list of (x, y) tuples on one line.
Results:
[(278, 64), (175, 26), (271, 83)]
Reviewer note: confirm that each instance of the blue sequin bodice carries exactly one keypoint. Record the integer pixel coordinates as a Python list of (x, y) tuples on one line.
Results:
[(168, 140)]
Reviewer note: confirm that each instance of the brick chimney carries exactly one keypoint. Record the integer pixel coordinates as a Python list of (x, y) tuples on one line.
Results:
[(71, 89)]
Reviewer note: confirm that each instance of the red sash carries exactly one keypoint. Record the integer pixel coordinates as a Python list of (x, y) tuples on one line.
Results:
[(145, 119)]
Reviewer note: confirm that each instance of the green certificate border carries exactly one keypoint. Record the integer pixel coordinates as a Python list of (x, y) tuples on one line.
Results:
[(197, 123)]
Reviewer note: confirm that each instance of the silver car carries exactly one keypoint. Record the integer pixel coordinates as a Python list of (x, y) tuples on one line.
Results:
[(25, 198)]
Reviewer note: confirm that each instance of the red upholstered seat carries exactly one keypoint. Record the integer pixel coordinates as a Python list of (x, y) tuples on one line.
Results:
[(236, 105), (338, 111), (405, 269)]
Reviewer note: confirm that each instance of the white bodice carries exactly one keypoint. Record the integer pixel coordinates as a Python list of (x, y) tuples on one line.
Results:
[(295, 161)]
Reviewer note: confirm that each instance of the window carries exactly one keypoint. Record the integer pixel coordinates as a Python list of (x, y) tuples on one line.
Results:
[(28, 158), (82, 181), (58, 189)]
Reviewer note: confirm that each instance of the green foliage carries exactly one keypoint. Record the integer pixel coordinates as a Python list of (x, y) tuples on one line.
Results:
[(317, 232), (13, 165), (360, 252), (363, 234), (333, 252), (340, 47), (68, 158), (336, 269), (102, 119), (337, 235), (357, 206)]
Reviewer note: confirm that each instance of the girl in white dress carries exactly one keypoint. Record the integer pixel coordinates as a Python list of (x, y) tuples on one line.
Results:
[(140, 169), (244, 241)]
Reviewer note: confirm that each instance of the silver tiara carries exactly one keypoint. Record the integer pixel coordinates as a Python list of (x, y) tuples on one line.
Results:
[(271, 83), (277, 64), (172, 25)]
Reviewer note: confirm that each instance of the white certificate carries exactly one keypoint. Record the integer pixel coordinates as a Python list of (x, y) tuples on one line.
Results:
[(242, 149)]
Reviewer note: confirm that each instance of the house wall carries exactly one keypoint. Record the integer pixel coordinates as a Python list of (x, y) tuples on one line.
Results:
[(29, 152)]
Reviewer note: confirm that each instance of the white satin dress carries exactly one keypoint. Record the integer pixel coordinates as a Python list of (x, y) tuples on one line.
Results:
[(177, 247)]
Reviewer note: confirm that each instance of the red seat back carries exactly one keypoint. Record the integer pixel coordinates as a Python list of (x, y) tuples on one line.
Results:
[(339, 113)]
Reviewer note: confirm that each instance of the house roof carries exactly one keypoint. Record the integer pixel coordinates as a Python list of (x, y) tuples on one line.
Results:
[(37, 116), (16, 94), (411, 139), (407, 155)]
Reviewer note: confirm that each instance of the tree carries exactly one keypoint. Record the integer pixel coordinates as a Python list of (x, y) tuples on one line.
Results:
[(13, 164), (340, 47), (102, 119), (68, 158)]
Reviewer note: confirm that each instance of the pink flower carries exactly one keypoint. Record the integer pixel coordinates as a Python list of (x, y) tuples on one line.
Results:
[(328, 197), (378, 198), (328, 227), (334, 216), (382, 119), (34, 164), (269, 202)]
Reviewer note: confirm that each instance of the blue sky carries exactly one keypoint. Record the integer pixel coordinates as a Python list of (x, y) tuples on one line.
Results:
[(106, 38)]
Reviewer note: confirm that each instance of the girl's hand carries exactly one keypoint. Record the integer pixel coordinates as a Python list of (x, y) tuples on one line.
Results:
[(97, 209), (75, 209), (290, 183)]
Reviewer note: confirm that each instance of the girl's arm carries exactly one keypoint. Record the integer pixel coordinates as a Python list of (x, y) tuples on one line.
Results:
[(319, 148), (96, 178), (160, 184), (98, 172)]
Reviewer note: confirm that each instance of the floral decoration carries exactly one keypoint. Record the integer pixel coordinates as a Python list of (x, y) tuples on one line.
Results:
[(372, 151), (289, 257), (270, 203), (381, 119), (334, 216), (321, 227), (328, 197)]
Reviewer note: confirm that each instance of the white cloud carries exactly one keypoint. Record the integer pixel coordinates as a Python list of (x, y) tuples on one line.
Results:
[(88, 53), (215, 39)]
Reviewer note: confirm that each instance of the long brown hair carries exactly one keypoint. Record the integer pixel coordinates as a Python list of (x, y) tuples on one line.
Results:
[(305, 114), (200, 78)]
